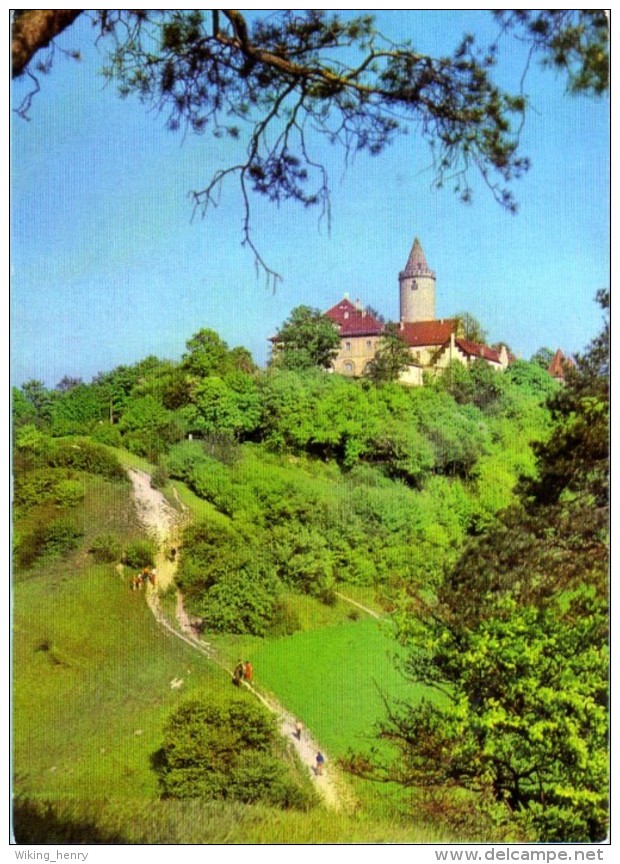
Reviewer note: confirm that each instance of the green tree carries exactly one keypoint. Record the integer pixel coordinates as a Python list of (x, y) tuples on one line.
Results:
[(572, 41), (76, 409), (391, 359), (40, 398), (281, 79), (23, 411), (148, 428), (306, 340), (470, 328), (228, 404), (207, 354), (542, 357)]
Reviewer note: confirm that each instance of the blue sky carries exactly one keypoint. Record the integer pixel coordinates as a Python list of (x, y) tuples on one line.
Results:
[(108, 267)]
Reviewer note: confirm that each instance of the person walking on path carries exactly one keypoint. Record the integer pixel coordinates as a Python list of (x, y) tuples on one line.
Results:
[(298, 730), (238, 673), (248, 671), (320, 762)]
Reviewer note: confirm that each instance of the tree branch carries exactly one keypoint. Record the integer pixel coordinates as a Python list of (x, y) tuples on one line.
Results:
[(34, 29)]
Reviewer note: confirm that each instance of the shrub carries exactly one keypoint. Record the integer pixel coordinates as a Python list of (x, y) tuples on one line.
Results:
[(242, 602), (284, 620), (34, 486), (68, 493), (159, 477), (87, 456), (182, 459), (105, 433), (61, 536), (140, 553), (226, 751), (54, 539), (106, 548)]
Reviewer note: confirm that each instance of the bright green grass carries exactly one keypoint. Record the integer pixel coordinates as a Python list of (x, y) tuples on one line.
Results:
[(92, 675), (314, 615), (332, 678)]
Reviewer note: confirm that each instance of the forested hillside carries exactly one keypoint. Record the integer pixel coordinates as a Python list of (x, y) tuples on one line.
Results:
[(471, 511)]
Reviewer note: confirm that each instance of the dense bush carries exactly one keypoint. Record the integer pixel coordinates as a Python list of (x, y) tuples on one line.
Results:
[(228, 580), (159, 477), (105, 433), (68, 492), (140, 553), (50, 540), (227, 752), (87, 456), (35, 486), (243, 602), (106, 548)]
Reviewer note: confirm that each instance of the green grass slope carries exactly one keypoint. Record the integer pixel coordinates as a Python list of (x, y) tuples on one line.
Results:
[(92, 675)]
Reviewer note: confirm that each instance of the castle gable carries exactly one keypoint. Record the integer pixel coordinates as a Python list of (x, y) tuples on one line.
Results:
[(353, 320)]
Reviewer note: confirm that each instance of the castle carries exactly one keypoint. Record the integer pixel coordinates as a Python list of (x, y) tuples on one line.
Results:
[(433, 343)]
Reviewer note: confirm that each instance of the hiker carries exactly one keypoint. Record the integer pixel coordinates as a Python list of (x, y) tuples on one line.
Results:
[(136, 583), (248, 671), (320, 761), (153, 576), (298, 730), (238, 673)]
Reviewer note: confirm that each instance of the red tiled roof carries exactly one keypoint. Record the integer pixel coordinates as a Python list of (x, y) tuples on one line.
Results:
[(474, 349), (353, 320), (416, 333)]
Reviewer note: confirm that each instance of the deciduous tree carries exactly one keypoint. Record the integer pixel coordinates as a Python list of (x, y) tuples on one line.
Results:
[(306, 340), (391, 359)]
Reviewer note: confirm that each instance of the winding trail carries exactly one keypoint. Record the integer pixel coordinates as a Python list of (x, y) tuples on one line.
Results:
[(359, 605), (163, 522)]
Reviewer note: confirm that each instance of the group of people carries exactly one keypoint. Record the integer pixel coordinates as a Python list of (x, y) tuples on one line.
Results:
[(242, 672), (148, 574)]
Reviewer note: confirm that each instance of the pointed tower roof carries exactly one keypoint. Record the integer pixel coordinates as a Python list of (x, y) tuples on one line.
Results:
[(416, 263)]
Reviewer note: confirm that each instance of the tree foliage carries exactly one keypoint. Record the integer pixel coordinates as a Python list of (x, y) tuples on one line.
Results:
[(307, 339), (230, 752), (392, 357), (573, 41), (470, 328)]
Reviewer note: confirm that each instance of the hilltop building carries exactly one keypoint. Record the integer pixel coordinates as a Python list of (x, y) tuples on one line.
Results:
[(433, 343), (558, 366)]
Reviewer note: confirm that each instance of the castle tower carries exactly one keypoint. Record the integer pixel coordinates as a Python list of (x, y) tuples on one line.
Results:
[(417, 287)]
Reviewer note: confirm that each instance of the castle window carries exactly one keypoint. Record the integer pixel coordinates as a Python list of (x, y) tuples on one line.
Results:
[(369, 343), (347, 346), (349, 368), (414, 285)]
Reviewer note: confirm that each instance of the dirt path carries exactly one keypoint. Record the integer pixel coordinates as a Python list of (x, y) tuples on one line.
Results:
[(359, 605), (162, 522)]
